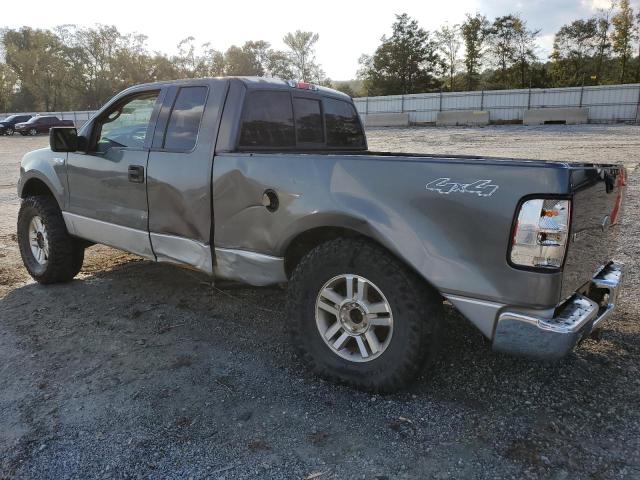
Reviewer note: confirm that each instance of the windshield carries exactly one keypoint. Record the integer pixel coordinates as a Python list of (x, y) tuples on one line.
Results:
[(10, 118)]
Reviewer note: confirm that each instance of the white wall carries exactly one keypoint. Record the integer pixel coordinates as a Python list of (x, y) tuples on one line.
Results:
[(607, 104)]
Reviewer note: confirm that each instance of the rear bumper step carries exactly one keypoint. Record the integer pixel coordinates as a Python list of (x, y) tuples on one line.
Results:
[(523, 333)]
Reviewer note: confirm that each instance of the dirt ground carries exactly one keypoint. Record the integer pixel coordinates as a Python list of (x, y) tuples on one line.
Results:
[(137, 370)]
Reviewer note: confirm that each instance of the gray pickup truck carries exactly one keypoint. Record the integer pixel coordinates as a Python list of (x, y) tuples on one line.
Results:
[(270, 182)]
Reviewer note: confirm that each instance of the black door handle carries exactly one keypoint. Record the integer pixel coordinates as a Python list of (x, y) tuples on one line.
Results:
[(136, 173)]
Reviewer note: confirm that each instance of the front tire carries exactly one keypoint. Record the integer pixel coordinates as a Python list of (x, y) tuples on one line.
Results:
[(361, 317), (33, 132), (48, 252), (8, 131)]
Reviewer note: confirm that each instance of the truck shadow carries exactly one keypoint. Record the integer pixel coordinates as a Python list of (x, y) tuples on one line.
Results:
[(161, 349), (152, 302)]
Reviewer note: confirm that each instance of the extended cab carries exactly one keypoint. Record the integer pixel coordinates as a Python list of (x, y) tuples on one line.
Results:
[(270, 182), (41, 124)]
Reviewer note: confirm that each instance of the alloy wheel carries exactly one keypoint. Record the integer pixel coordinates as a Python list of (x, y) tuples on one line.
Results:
[(38, 240), (354, 318)]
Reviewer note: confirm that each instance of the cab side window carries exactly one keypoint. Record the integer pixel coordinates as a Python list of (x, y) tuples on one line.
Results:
[(127, 123), (184, 122)]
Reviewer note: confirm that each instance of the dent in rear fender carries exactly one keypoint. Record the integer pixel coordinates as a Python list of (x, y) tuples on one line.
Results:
[(458, 242), (48, 167)]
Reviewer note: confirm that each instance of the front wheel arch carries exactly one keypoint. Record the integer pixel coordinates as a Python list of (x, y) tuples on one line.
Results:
[(35, 186)]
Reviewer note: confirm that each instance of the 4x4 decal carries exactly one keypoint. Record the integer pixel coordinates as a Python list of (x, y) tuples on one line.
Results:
[(482, 188)]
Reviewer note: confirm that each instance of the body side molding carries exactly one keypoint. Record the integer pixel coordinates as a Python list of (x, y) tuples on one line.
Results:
[(182, 251), (117, 236)]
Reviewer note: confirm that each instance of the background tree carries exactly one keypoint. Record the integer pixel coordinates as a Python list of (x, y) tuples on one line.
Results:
[(623, 36), (406, 62), (449, 42), (604, 45), (637, 75), (502, 36), (344, 87), (278, 64), (302, 51), (8, 84), (242, 61), (525, 46), (474, 32), (36, 58), (574, 47), (194, 62)]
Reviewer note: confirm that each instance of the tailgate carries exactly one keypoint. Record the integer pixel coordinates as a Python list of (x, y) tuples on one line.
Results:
[(597, 200)]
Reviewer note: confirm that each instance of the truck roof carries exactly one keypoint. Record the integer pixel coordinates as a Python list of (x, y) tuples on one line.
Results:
[(252, 83)]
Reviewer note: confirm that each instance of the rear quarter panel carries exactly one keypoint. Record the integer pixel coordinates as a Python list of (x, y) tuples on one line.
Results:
[(457, 241)]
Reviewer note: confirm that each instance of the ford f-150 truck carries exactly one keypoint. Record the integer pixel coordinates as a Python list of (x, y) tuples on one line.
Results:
[(270, 182)]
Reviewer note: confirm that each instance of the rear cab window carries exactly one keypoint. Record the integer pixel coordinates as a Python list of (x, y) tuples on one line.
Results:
[(308, 115), (343, 124), (288, 120)]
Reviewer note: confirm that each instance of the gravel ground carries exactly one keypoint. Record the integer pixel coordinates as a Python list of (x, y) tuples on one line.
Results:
[(143, 370)]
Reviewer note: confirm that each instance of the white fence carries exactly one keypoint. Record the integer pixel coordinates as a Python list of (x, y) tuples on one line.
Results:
[(606, 104)]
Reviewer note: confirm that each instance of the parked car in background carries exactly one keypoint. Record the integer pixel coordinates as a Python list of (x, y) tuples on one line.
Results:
[(7, 126), (41, 124)]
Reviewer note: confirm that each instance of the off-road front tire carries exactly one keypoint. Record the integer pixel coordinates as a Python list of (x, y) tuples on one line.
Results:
[(48, 252), (393, 311)]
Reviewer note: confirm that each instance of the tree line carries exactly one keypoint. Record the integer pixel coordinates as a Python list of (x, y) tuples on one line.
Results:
[(502, 53), (76, 68)]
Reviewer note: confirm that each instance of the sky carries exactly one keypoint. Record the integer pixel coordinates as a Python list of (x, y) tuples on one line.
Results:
[(347, 29)]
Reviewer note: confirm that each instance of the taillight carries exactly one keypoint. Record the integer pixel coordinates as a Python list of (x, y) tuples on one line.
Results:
[(541, 233)]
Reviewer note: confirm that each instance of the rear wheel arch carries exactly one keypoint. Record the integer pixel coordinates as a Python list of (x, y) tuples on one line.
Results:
[(306, 241)]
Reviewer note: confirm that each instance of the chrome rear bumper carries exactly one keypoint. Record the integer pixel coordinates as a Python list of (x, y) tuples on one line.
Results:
[(528, 334)]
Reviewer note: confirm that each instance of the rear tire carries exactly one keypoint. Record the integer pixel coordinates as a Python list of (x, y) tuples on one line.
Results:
[(48, 252), (8, 131), (403, 313)]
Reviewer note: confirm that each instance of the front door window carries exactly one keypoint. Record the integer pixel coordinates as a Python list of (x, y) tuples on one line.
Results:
[(127, 125)]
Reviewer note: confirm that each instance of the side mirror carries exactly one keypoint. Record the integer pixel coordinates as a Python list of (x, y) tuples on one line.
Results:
[(63, 139)]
